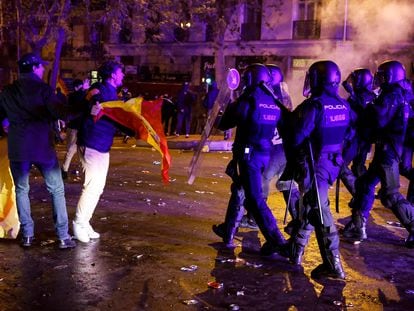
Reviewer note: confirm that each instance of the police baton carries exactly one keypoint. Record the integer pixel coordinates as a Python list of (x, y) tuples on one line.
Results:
[(338, 185), (315, 180), (288, 200)]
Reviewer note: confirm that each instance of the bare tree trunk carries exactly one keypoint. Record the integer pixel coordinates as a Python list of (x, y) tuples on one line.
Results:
[(56, 62), (19, 26)]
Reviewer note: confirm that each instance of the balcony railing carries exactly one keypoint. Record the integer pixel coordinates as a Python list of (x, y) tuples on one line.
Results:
[(307, 29)]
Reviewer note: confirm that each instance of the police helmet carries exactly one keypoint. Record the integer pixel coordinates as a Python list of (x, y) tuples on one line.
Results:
[(362, 79), (275, 73), (256, 74), (322, 76), (389, 72)]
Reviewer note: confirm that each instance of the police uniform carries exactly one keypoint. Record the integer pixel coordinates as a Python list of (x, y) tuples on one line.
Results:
[(255, 114), (358, 144), (323, 121), (391, 112)]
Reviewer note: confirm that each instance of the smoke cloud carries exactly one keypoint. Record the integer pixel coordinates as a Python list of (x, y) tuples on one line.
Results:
[(377, 30)]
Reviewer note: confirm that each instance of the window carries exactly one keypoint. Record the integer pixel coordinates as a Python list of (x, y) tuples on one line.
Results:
[(308, 10), (251, 27), (307, 24)]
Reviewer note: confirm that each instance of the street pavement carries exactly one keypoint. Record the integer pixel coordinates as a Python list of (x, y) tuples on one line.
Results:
[(157, 250)]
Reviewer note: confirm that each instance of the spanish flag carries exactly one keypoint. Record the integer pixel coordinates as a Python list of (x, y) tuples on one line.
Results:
[(9, 219), (144, 118), (62, 85)]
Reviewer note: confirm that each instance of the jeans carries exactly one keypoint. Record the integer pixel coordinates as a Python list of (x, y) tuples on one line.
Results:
[(53, 178), (95, 165), (183, 119)]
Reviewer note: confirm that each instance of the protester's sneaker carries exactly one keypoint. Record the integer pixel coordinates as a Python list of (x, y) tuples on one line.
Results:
[(92, 233), (67, 243), (80, 232), (27, 241)]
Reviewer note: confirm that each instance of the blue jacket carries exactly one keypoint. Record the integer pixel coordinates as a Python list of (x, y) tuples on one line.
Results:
[(98, 135)]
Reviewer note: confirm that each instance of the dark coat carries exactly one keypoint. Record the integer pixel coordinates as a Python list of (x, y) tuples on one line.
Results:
[(31, 107)]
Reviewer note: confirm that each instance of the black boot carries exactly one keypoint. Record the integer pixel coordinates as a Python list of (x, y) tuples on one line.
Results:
[(277, 245), (330, 268), (298, 242), (356, 228), (328, 242), (292, 227), (296, 252), (227, 234), (409, 242)]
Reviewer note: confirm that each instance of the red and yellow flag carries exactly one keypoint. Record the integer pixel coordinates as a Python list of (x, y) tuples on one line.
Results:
[(62, 85), (9, 220), (143, 117)]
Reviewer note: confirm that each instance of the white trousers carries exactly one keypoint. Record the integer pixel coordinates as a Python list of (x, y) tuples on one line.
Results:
[(71, 147), (95, 165)]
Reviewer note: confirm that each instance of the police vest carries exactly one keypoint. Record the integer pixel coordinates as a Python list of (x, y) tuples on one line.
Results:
[(261, 122), (334, 123)]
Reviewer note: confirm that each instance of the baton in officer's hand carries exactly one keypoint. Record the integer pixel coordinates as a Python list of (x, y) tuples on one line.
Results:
[(315, 180)]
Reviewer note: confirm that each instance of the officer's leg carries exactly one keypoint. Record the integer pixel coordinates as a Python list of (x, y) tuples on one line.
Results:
[(328, 241), (361, 204), (346, 175), (407, 171), (358, 163), (300, 236), (250, 173), (291, 195), (269, 172), (410, 192), (394, 200), (234, 213), (405, 163), (326, 233), (348, 179)]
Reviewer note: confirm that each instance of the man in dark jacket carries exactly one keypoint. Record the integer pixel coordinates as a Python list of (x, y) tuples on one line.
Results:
[(95, 139), (31, 107), (185, 102)]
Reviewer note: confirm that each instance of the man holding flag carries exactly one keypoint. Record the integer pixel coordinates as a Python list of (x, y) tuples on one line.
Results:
[(95, 139)]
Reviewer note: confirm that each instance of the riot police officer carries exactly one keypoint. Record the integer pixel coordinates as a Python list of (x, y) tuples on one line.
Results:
[(280, 164), (406, 168), (358, 144), (277, 163), (390, 116), (323, 121), (255, 114)]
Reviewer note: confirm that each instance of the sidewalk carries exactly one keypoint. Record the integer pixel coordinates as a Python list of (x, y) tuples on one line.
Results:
[(214, 143)]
